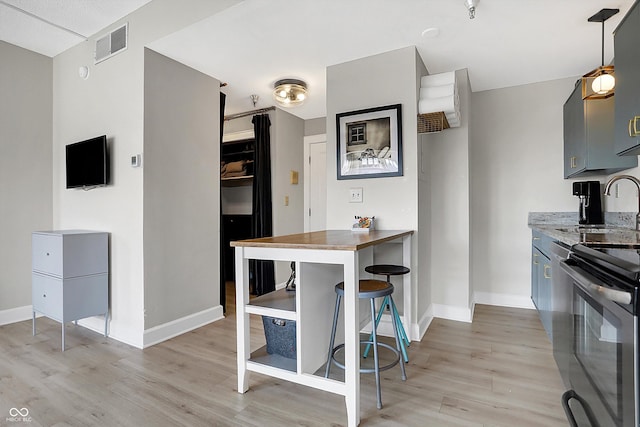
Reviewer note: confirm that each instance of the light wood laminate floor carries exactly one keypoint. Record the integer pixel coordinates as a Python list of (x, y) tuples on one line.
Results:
[(497, 371)]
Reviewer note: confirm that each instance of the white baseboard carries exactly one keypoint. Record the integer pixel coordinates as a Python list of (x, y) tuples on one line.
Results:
[(451, 312), (177, 327), (420, 328), (503, 300), (14, 315)]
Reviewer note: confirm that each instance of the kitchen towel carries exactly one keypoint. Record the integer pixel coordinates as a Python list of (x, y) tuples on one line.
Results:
[(438, 79), (438, 91), (446, 104)]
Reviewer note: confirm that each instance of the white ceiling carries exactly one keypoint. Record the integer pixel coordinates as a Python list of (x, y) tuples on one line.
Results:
[(256, 42)]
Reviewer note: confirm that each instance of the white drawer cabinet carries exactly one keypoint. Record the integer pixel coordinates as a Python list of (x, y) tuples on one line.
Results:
[(70, 275)]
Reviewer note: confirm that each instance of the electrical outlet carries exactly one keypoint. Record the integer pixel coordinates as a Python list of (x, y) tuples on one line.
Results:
[(286, 200), (355, 195)]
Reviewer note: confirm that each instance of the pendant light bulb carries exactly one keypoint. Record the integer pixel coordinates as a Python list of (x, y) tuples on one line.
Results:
[(603, 84)]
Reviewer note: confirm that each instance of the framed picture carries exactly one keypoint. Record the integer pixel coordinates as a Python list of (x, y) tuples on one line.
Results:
[(370, 143)]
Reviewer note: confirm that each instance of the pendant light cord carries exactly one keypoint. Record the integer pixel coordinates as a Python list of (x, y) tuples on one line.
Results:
[(602, 43)]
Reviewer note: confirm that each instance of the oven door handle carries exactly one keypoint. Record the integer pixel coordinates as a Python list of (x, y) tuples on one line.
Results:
[(571, 394), (590, 284)]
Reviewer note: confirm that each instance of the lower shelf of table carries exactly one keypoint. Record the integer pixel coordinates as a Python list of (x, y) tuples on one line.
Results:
[(261, 357), (284, 368)]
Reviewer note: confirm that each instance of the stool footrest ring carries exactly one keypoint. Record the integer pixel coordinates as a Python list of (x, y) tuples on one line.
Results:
[(368, 370)]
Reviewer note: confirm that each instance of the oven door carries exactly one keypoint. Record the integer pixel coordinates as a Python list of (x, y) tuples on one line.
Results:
[(603, 369)]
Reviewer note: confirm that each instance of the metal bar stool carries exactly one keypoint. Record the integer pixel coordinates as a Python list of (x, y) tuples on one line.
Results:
[(368, 289), (390, 270)]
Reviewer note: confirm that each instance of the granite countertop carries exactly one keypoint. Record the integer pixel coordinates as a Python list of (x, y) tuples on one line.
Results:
[(617, 232)]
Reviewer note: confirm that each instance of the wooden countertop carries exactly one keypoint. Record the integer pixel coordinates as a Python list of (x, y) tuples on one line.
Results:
[(337, 240)]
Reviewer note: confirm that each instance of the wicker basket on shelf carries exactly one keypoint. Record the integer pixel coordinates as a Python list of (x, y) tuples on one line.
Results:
[(432, 122)]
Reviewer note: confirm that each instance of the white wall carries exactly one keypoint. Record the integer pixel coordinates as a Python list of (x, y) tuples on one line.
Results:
[(111, 102), (181, 192), (25, 171)]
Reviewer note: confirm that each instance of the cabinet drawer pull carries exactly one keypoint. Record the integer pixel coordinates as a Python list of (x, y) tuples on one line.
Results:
[(547, 268), (574, 162)]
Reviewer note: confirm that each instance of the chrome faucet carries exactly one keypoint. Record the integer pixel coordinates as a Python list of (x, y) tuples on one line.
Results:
[(607, 192)]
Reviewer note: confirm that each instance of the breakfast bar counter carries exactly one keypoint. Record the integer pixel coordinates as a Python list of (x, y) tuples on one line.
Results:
[(322, 258)]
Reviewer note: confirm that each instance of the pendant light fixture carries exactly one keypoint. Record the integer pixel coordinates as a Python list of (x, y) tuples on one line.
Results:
[(600, 83), (290, 92)]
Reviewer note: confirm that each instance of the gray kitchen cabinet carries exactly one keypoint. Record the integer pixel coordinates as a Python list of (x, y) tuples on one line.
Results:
[(627, 72), (541, 279), (70, 275), (588, 137)]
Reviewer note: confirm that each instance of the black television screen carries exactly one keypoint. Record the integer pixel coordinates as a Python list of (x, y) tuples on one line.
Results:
[(87, 163)]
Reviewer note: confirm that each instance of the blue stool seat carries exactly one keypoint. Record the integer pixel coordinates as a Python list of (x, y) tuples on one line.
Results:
[(368, 289), (390, 270)]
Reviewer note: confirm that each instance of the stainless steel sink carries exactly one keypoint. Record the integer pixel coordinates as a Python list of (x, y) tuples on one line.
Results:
[(593, 230)]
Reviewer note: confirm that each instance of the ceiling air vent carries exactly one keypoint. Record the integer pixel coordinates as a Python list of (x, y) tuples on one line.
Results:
[(112, 43)]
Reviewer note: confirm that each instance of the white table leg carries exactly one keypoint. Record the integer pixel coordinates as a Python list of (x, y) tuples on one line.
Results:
[(352, 338), (242, 319), (406, 286)]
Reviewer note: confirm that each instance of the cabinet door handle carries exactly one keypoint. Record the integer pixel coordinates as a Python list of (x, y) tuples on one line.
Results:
[(633, 126), (547, 268), (574, 163), (535, 259)]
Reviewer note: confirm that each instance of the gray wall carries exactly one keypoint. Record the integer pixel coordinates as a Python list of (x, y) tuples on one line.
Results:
[(516, 163), (25, 168), (181, 190), (315, 126), (287, 148), (450, 212), (375, 81), (423, 299), (111, 101)]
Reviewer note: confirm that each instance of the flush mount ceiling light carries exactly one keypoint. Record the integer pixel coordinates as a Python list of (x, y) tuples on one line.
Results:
[(290, 92), (600, 83), (471, 7)]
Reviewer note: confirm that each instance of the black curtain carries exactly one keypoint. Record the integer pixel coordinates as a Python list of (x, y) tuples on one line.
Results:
[(261, 218), (223, 249)]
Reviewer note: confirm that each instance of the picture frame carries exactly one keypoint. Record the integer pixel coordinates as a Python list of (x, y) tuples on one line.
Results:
[(369, 143)]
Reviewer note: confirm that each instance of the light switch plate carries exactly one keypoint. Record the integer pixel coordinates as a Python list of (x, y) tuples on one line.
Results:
[(355, 195)]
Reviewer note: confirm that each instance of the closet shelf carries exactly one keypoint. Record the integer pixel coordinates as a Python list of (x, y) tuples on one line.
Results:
[(236, 181)]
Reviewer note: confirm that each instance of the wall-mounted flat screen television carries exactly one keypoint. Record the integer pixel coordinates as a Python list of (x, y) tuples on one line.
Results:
[(87, 163)]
